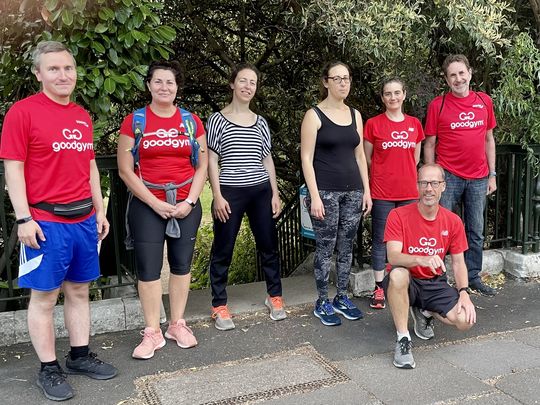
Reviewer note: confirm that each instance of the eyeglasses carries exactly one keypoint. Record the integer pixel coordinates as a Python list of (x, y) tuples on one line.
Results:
[(434, 183), (339, 79)]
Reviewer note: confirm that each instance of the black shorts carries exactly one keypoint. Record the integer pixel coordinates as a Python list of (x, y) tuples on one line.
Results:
[(148, 230), (434, 294)]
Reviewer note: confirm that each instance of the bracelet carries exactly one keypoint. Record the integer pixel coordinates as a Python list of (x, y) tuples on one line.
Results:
[(24, 220), (466, 289)]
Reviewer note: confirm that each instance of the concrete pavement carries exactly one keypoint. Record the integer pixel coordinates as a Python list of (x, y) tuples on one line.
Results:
[(300, 361)]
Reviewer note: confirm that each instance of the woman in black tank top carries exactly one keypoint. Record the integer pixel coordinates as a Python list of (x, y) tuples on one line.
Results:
[(335, 170)]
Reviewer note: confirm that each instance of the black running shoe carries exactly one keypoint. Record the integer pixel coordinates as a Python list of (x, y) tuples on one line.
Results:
[(90, 366), (52, 381), (482, 288)]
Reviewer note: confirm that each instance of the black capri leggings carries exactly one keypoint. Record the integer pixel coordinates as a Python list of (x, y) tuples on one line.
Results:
[(148, 230)]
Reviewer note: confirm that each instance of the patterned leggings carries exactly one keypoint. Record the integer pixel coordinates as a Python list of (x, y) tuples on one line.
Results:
[(336, 231)]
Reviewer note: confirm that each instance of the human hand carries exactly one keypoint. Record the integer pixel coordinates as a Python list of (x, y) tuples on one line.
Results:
[(163, 208), (276, 206), (433, 262), (492, 185), (367, 204), (465, 304), (317, 208), (102, 225), (27, 234), (182, 210), (221, 209)]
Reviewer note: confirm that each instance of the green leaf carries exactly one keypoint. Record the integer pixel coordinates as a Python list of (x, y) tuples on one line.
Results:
[(164, 54), (119, 79), (51, 4), (98, 81), (109, 85), (104, 103), (122, 15), (113, 56), (101, 28), (166, 32), (142, 69), (100, 49)]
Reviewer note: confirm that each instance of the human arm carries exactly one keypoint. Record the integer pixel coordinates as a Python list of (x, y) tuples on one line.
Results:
[(429, 149), (368, 151), (16, 184), (362, 166), (462, 281), (308, 138), (490, 154), (134, 183), (97, 201), (417, 151), (268, 163), (220, 206), (199, 178), (397, 258)]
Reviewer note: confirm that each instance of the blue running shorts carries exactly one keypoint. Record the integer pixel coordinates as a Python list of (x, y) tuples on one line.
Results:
[(69, 253)]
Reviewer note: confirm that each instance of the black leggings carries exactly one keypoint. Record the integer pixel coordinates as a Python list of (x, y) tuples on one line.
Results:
[(256, 202), (148, 230)]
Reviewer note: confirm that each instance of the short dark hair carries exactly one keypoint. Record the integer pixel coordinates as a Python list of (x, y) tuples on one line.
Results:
[(455, 58), (326, 71), (241, 66), (173, 65), (393, 79)]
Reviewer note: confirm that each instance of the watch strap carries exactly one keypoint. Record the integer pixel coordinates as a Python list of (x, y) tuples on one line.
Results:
[(24, 220)]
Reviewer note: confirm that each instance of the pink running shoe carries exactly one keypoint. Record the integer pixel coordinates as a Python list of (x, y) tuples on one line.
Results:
[(152, 340), (180, 332)]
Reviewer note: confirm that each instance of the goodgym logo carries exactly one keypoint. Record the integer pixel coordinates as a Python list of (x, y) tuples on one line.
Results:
[(467, 121), (399, 141), (399, 135), (426, 246), (72, 136)]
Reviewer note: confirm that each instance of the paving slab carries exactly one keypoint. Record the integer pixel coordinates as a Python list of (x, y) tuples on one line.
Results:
[(523, 386), (491, 398), (529, 336), (505, 356)]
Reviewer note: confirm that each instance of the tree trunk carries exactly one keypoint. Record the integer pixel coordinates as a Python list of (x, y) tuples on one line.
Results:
[(535, 6)]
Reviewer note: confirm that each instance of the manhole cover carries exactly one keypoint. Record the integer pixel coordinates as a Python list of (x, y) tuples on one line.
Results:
[(239, 382)]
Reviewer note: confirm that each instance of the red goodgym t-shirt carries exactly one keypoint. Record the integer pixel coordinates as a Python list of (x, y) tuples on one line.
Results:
[(164, 151), (55, 142), (461, 128), (393, 167), (421, 237)]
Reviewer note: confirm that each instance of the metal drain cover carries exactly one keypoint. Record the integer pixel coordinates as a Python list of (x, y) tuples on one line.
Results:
[(239, 382)]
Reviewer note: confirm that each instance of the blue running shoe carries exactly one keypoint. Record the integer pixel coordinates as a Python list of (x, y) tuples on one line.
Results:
[(344, 306), (325, 312)]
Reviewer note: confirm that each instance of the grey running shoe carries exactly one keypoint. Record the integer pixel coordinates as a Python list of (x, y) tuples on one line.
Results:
[(275, 305), (90, 366), (403, 357), (222, 317), (423, 326), (52, 381)]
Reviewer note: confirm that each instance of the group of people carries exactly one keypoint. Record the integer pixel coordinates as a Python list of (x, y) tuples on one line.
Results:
[(165, 155)]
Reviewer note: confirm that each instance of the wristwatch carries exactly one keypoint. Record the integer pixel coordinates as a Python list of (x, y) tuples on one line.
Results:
[(493, 174), (24, 220), (466, 289), (190, 202)]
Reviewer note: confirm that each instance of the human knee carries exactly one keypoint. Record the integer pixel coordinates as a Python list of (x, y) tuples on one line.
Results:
[(77, 291), (44, 300), (399, 277)]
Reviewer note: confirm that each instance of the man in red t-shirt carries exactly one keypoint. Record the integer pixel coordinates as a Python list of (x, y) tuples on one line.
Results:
[(54, 186), (459, 130), (417, 237)]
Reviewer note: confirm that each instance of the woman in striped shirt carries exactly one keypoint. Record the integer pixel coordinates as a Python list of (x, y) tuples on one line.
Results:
[(243, 180)]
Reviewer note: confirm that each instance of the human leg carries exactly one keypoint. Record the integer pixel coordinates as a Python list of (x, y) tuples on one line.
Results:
[(40, 323)]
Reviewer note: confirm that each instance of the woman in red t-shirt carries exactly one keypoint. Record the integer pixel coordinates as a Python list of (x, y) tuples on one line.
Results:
[(392, 142), (165, 180)]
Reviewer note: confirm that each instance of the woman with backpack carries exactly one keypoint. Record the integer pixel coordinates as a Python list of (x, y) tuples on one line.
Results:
[(392, 142), (335, 170), (243, 180), (162, 161)]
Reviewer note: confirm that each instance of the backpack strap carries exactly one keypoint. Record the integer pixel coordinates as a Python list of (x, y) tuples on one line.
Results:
[(442, 104), (190, 128), (139, 125)]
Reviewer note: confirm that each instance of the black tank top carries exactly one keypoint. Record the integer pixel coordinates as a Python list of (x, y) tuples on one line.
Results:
[(334, 161)]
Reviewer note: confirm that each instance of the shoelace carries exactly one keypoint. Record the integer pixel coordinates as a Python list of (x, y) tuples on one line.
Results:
[(378, 294), (57, 376), (178, 325), (221, 311), (346, 301), (429, 322), (277, 302), (405, 346), (327, 307)]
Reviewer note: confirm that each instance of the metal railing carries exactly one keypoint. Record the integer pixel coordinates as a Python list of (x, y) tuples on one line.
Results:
[(512, 221)]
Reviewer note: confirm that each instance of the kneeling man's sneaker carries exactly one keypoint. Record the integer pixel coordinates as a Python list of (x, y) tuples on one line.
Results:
[(52, 381), (275, 305), (344, 306), (90, 366), (423, 325), (325, 312), (403, 357)]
